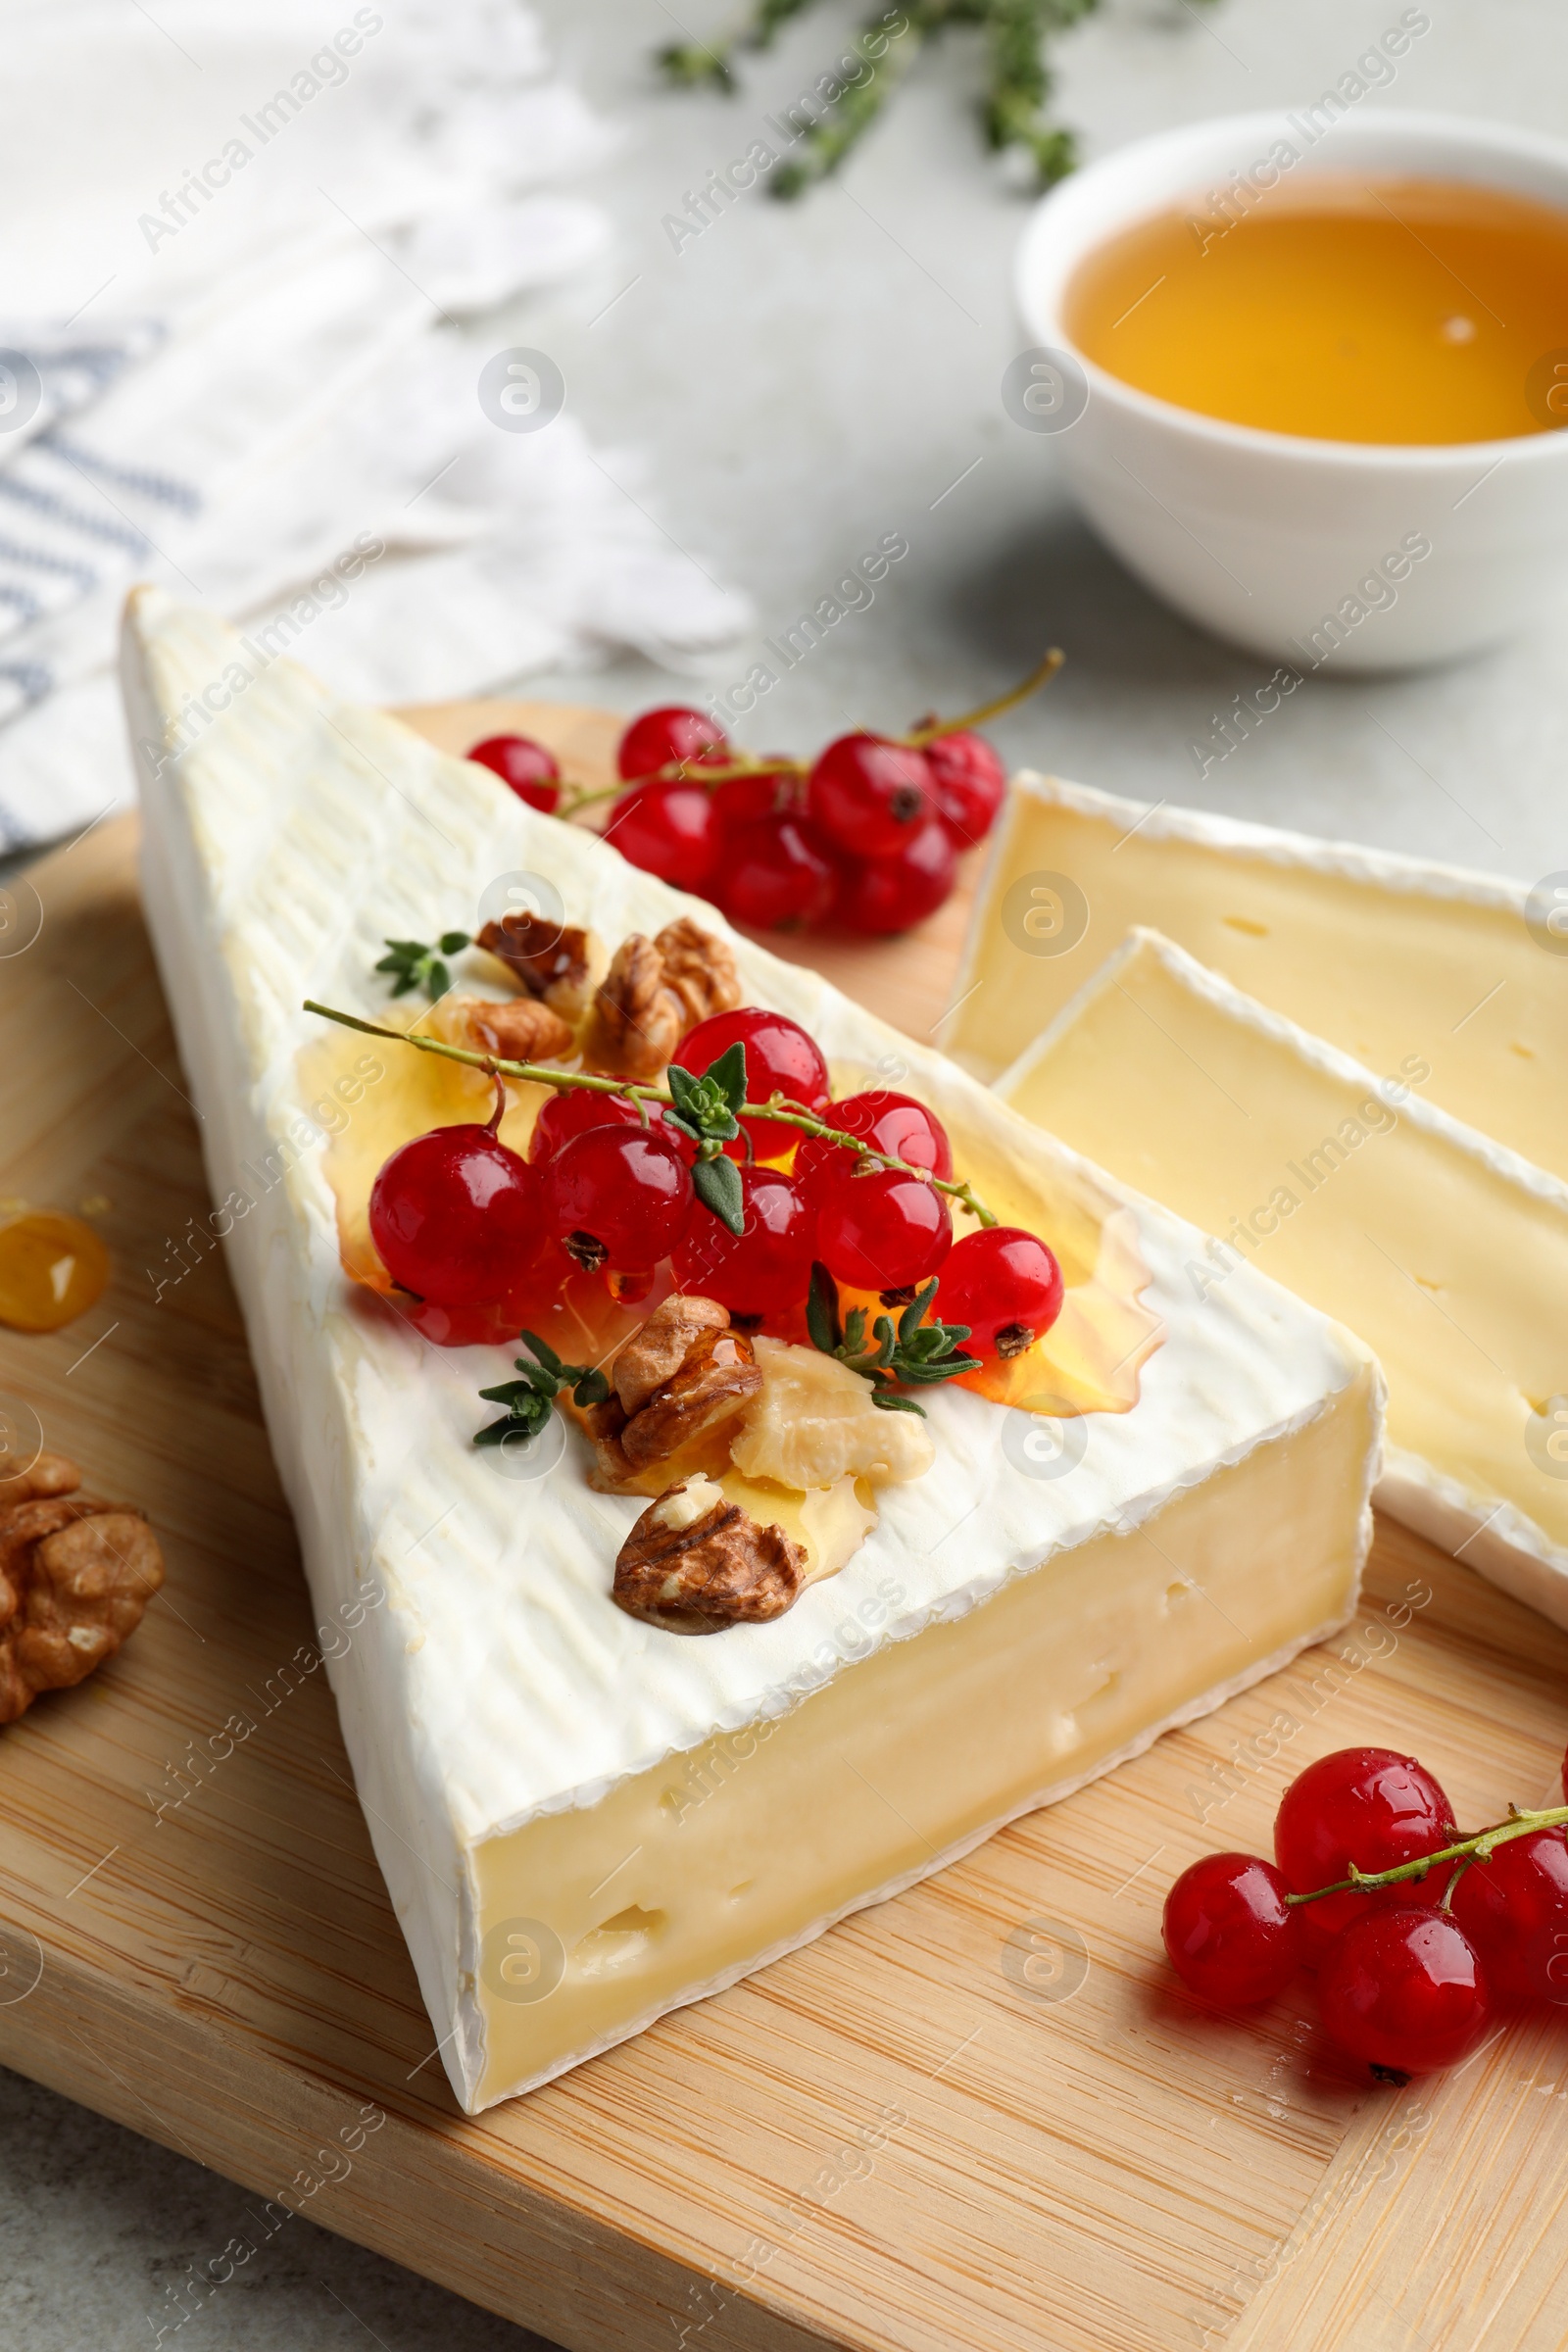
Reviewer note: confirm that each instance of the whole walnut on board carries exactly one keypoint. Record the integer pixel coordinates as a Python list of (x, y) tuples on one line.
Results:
[(75, 1575)]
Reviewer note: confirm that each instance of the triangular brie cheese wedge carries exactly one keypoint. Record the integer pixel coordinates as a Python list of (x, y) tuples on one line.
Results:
[(585, 1820)]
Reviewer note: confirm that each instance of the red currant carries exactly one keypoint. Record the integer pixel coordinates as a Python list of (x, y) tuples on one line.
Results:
[(669, 830), (781, 1058), (1005, 1285), (970, 784), (764, 1270), (877, 1229), (777, 875), (748, 800), (870, 795), (1404, 1990), (895, 1124), (659, 738), (618, 1196), (1366, 1805), (571, 1110), (455, 1217), (887, 894), (1514, 1909), (1230, 1935), (533, 773)]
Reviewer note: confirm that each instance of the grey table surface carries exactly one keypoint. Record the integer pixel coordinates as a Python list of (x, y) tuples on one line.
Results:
[(779, 392)]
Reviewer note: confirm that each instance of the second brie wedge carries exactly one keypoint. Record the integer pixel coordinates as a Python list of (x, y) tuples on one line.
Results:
[(585, 1820)]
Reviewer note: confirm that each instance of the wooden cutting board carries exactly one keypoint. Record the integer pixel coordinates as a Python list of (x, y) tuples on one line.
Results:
[(980, 2116)]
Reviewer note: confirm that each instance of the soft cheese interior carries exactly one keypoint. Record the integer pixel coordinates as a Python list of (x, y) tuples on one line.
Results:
[(584, 1819)]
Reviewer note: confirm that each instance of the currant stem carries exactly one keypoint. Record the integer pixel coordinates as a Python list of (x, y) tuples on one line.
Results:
[(1041, 675), (779, 1107), (1478, 1848), (709, 773)]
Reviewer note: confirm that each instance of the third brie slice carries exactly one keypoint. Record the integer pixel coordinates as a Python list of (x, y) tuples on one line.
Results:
[(1449, 1254), (1382, 955)]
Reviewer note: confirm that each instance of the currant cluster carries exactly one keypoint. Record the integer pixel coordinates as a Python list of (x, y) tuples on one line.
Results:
[(1417, 1933), (870, 833), (622, 1186)]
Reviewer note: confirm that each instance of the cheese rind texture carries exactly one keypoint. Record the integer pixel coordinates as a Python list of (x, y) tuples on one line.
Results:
[(1446, 1252), (1380, 956), (495, 1686)]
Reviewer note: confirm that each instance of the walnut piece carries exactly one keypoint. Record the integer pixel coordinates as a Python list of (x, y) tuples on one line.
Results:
[(700, 968), (516, 1028), (680, 1376), (695, 1563), (637, 1021), (75, 1575), (717, 1381), (658, 1348), (563, 966)]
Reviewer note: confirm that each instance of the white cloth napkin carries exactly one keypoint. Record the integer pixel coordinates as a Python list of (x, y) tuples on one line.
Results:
[(239, 388)]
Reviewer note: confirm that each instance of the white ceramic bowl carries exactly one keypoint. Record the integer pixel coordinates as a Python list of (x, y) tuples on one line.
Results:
[(1278, 542)]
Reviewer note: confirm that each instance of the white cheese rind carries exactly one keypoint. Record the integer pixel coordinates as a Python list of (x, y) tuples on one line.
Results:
[(497, 1684)]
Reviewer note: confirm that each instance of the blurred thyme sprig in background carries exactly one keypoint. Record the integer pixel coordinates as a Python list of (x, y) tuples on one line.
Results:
[(842, 103)]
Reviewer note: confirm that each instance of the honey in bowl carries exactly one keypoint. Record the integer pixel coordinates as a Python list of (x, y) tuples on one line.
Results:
[(1341, 307)]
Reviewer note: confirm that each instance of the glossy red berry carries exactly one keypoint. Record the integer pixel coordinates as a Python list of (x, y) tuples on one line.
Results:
[(1230, 1935), (884, 895), (868, 795), (618, 1196), (1404, 1990), (781, 1058), (533, 773), (1005, 1285), (1514, 1909), (969, 783), (668, 830), (748, 800), (763, 1271), (672, 732), (1367, 1805), (775, 875), (890, 1122), (569, 1112), (455, 1217), (573, 1108), (877, 1229)]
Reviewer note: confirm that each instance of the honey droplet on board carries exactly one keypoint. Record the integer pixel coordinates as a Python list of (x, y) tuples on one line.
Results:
[(52, 1268)]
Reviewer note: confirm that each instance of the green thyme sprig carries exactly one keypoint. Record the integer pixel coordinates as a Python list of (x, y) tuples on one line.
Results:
[(825, 123), (530, 1400), (917, 1354), (419, 966), (704, 1108), (720, 1193)]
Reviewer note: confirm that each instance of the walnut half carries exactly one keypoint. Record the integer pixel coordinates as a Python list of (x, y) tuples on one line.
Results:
[(637, 1021), (515, 1028), (700, 968), (682, 1375), (696, 1562), (75, 1575), (562, 965)]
